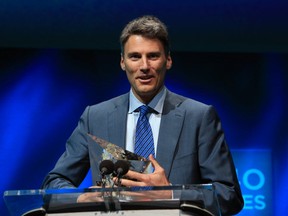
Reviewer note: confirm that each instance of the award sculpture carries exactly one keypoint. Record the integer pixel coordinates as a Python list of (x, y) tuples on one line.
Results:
[(136, 162)]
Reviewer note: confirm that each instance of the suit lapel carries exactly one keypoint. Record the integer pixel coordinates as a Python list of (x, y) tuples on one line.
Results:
[(170, 129), (117, 122)]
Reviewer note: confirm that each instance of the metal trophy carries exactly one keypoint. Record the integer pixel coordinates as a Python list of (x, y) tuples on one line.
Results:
[(113, 152)]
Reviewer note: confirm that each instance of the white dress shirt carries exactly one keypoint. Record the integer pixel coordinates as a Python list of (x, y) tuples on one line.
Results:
[(154, 118)]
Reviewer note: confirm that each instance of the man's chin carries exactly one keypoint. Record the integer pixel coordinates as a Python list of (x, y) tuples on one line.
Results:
[(146, 98)]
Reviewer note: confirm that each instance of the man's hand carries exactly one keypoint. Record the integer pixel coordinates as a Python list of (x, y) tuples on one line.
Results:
[(157, 178), (90, 196)]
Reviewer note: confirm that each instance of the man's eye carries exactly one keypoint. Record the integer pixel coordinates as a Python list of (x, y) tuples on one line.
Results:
[(154, 56), (134, 57)]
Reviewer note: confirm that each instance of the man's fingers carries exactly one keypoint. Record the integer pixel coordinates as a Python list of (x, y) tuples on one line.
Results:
[(155, 164), (90, 197), (130, 183), (134, 175)]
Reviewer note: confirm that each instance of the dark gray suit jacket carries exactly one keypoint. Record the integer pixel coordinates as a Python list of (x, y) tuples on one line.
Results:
[(191, 147)]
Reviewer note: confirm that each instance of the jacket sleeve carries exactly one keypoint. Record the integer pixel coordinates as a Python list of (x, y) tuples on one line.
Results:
[(216, 163), (73, 165)]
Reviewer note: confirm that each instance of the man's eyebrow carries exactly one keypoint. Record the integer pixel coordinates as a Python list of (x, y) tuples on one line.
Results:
[(132, 53), (148, 54), (154, 53)]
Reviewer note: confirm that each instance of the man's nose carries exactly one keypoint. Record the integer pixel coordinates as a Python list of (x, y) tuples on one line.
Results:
[(144, 64)]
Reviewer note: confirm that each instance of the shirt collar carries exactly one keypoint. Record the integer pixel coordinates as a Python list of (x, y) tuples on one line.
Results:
[(156, 103)]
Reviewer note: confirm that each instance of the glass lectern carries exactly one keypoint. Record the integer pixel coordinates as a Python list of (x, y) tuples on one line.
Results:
[(166, 200)]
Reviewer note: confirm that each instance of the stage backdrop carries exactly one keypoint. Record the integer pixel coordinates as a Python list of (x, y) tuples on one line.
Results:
[(43, 92), (57, 57)]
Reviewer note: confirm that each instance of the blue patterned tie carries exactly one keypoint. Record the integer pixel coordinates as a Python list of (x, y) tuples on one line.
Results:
[(144, 144)]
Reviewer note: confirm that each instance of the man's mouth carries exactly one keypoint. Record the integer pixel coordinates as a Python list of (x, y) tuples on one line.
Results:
[(145, 79)]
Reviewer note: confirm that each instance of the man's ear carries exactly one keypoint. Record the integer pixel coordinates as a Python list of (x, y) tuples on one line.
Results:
[(122, 64), (169, 62)]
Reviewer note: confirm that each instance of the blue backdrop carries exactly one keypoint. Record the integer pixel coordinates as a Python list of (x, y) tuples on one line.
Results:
[(44, 91), (56, 57)]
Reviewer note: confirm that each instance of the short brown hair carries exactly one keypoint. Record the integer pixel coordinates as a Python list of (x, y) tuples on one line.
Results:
[(146, 26)]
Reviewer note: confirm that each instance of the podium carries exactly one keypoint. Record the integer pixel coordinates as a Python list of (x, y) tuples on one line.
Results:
[(195, 200)]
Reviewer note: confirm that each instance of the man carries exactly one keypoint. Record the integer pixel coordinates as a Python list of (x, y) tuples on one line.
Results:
[(189, 143)]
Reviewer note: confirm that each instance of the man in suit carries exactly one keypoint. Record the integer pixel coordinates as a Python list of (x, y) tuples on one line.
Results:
[(189, 142)]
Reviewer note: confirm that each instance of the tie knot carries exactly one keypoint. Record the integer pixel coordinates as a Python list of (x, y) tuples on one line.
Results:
[(144, 109)]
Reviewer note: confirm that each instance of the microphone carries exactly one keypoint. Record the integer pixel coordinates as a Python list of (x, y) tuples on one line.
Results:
[(121, 168), (106, 167)]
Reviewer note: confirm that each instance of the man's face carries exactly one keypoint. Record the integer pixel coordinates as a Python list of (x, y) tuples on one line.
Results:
[(145, 63)]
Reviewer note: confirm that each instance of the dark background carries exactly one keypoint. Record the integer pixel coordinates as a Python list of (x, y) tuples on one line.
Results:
[(56, 57)]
